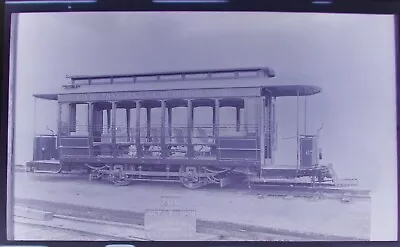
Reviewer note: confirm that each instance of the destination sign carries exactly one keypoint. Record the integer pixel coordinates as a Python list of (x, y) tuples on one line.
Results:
[(160, 95)]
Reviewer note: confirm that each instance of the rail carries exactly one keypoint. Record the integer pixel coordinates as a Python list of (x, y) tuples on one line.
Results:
[(125, 134)]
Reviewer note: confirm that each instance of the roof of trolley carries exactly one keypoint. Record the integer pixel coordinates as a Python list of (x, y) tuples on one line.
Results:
[(263, 78)]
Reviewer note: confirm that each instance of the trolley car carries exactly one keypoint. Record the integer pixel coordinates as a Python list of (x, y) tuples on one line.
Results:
[(191, 154)]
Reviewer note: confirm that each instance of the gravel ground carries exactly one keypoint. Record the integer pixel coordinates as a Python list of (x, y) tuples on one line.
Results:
[(34, 232), (324, 216)]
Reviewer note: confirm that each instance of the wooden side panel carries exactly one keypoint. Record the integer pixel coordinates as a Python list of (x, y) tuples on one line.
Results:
[(74, 151), (74, 141), (239, 148), (45, 148), (74, 146)]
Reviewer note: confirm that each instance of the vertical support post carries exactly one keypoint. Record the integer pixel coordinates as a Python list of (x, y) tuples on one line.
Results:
[(34, 131), (269, 123), (297, 131), (98, 125), (72, 117), (257, 116), (114, 128), (138, 145), (273, 129), (190, 128), (59, 127), (246, 115), (170, 123), (108, 120), (305, 115), (34, 117), (273, 126), (90, 127), (102, 128), (128, 124), (237, 118), (163, 148), (192, 113), (216, 126), (213, 117), (148, 116), (261, 106)]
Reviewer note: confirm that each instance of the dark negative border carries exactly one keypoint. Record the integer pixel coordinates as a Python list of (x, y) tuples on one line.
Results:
[(343, 6), (322, 6)]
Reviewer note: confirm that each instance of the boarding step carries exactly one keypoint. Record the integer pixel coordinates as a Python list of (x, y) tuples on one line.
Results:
[(346, 182), (44, 166), (330, 173)]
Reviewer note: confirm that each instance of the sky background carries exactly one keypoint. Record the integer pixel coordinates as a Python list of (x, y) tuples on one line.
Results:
[(350, 56)]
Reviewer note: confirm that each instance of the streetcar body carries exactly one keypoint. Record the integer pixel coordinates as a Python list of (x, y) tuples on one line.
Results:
[(157, 148)]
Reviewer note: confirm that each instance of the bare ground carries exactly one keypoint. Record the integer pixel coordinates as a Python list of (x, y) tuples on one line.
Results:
[(236, 206)]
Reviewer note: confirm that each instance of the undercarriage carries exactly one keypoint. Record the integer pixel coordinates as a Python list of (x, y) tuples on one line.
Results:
[(194, 177)]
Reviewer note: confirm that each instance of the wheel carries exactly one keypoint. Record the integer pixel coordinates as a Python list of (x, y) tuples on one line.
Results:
[(94, 176), (30, 169), (120, 180), (189, 177)]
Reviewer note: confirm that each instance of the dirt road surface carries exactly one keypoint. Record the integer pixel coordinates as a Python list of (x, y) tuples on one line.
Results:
[(236, 206), (36, 232)]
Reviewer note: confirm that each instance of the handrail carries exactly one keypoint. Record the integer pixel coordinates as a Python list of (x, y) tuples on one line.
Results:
[(144, 131), (85, 127)]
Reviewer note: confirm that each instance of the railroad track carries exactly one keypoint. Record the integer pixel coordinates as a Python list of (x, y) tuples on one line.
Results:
[(308, 191), (272, 188), (40, 231), (221, 230)]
